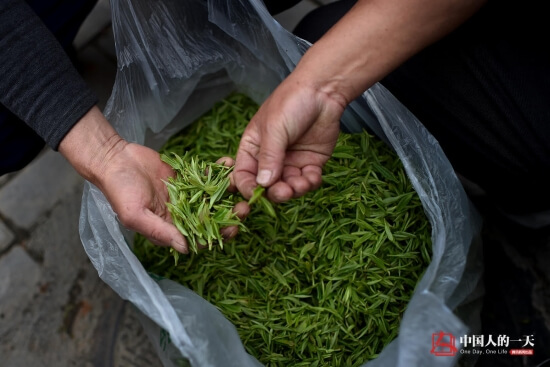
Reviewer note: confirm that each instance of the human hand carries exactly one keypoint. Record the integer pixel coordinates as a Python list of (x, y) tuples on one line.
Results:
[(288, 141), (242, 209), (132, 181), (291, 137), (131, 178), (133, 184)]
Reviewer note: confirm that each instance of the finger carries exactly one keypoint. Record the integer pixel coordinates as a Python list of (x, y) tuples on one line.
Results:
[(303, 180), (290, 171), (229, 162), (242, 209), (314, 174), (293, 177), (280, 192), (229, 232), (226, 161), (232, 185), (156, 229), (244, 173), (245, 183), (271, 156), (300, 185)]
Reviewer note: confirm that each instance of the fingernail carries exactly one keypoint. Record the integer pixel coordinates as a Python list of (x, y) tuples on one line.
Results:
[(263, 177), (180, 247)]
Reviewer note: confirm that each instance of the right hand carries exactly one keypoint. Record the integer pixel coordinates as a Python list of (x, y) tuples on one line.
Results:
[(288, 141), (294, 132)]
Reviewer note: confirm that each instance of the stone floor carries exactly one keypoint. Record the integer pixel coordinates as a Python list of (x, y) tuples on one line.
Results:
[(55, 310)]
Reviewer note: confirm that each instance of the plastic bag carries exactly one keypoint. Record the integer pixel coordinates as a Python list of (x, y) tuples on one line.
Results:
[(175, 60)]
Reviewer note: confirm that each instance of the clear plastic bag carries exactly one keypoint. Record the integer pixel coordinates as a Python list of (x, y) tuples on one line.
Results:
[(175, 60)]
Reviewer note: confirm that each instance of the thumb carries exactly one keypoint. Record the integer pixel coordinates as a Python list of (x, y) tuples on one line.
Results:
[(270, 160), (158, 231)]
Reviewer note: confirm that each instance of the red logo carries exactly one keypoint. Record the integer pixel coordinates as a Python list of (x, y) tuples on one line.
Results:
[(521, 352), (443, 344)]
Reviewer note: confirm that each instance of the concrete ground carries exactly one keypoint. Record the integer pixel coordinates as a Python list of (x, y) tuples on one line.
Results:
[(55, 310)]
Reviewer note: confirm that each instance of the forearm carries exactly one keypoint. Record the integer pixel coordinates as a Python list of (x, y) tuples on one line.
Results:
[(375, 37), (38, 82)]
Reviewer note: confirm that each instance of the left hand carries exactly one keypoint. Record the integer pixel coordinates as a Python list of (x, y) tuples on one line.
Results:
[(131, 178), (132, 182)]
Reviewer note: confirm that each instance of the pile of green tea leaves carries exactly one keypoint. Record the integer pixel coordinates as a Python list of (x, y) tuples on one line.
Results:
[(198, 205), (326, 281)]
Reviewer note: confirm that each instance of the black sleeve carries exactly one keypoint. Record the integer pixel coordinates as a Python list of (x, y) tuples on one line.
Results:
[(38, 82)]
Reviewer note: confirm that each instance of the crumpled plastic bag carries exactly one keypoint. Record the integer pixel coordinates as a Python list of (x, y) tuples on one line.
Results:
[(175, 60)]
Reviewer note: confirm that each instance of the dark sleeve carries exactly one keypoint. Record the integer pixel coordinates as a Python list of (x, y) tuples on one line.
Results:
[(38, 82)]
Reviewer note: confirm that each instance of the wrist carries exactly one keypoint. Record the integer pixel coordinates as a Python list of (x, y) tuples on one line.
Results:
[(90, 144), (318, 78), (342, 64), (373, 38)]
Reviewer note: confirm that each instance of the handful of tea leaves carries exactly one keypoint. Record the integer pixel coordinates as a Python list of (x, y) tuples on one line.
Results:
[(197, 203), (323, 282)]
